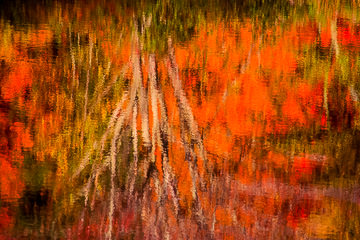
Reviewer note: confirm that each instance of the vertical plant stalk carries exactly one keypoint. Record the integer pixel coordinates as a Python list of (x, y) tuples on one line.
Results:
[(160, 137), (137, 76), (113, 155), (161, 216), (154, 104), (183, 105), (170, 182), (117, 75), (111, 124), (142, 93), (334, 40), (325, 97), (133, 168), (144, 112), (73, 68), (190, 158), (187, 121), (86, 91), (213, 222), (98, 168), (149, 220)]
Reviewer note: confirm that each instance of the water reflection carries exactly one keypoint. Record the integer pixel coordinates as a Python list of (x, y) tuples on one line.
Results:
[(124, 121)]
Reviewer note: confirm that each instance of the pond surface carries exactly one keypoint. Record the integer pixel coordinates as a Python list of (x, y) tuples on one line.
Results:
[(180, 119)]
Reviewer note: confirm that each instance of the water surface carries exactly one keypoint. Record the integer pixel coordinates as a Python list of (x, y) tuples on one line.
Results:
[(179, 120)]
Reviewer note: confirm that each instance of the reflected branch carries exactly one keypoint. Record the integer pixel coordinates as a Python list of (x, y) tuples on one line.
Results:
[(184, 107)]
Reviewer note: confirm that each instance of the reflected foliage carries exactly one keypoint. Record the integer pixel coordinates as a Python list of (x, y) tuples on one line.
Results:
[(179, 119)]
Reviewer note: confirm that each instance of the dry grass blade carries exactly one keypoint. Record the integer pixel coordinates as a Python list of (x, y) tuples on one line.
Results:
[(114, 116), (142, 93), (170, 182), (113, 157), (144, 112), (133, 168), (154, 104), (184, 107), (73, 68), (86, 90), (135, 58), (190, 157), (138, 91), (119, 74)]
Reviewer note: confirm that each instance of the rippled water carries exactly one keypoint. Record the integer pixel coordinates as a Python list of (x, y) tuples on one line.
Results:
[(179, 120)]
